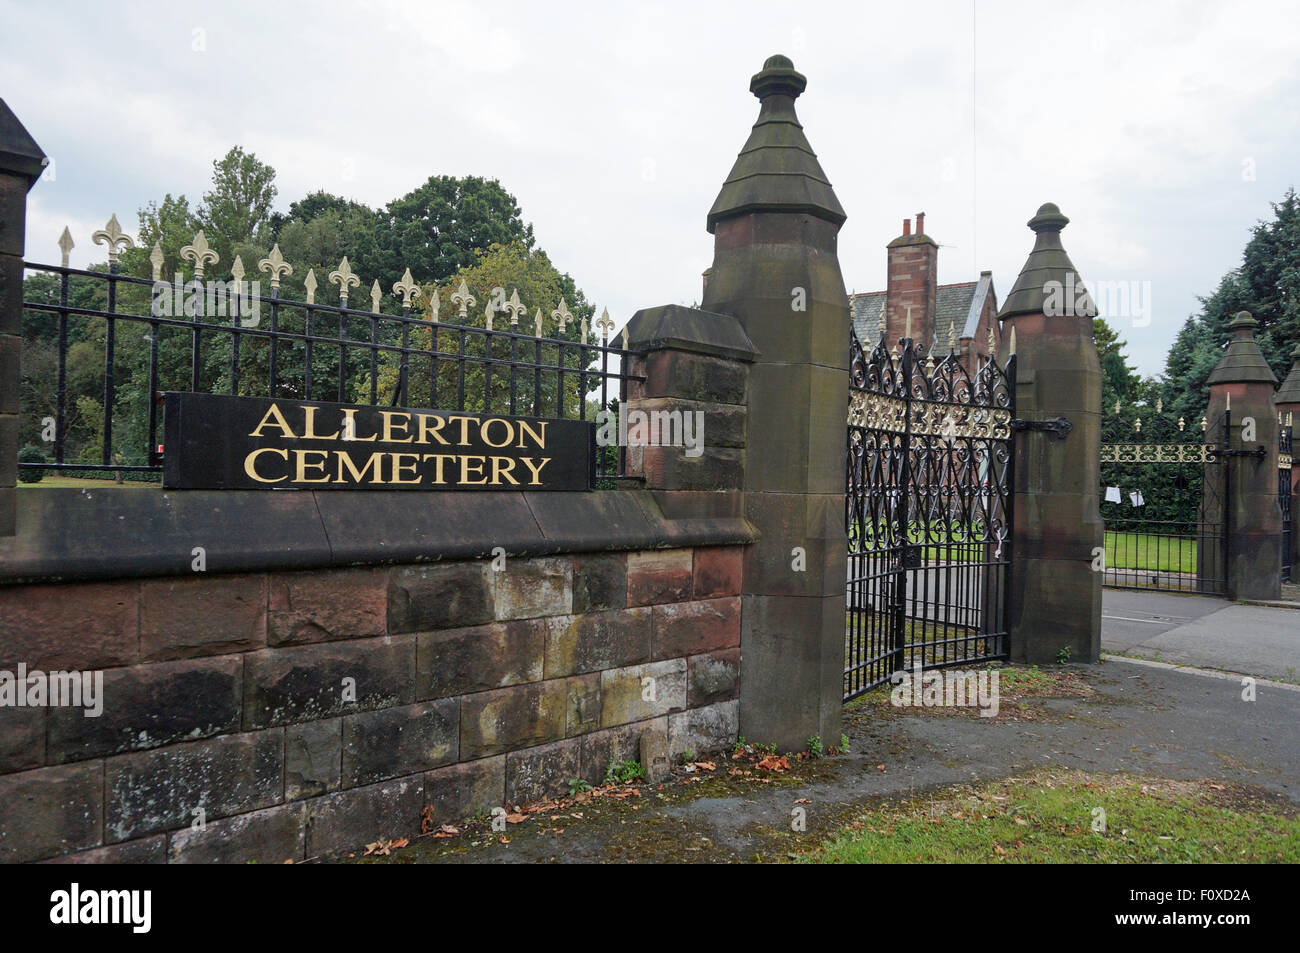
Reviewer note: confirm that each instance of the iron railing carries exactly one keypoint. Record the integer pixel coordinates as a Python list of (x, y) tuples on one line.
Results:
[(114, 343), (1164, 519)]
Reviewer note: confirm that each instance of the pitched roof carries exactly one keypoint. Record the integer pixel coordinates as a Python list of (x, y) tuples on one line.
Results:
[(957, 305), (865, 310)]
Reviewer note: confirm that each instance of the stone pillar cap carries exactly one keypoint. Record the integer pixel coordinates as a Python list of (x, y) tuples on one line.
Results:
[(1242, 362), (1289, 392), (1047, 263), (777, 171), (19, 153)]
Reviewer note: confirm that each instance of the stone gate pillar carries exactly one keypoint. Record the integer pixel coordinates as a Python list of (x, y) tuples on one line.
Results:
[(1243, 420), (1055, 606), (776, 270), (21, 164), (1287, 399)]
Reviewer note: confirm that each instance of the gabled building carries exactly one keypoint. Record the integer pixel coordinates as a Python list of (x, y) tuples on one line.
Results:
[(939, 318)]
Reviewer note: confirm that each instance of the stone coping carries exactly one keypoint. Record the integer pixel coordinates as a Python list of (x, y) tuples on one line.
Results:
[(74, 534)]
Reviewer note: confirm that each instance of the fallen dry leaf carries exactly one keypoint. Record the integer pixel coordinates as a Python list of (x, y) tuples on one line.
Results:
[(705, 765), (516, 818)]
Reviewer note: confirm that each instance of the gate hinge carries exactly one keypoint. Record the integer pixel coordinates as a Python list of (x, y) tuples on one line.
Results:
[(1259, 452), (1058, 428)]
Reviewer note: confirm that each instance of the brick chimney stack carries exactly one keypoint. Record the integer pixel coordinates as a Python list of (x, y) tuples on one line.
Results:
[(913, 275)]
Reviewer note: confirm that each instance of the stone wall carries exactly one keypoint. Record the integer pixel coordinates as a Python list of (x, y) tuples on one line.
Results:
[(473, 688)]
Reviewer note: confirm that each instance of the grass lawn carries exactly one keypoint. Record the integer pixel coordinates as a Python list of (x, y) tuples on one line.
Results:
[(81, 483), (1050, 818), (1145, 551)]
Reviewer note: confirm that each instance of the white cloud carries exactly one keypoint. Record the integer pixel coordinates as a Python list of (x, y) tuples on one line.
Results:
[(1135, 118)]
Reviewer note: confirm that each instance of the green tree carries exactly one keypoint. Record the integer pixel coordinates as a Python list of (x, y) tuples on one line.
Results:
[(436, 229), (237, 208), (494, 277)]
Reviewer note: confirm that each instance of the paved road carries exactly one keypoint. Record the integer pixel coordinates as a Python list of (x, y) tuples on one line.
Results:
[(1202, 631)]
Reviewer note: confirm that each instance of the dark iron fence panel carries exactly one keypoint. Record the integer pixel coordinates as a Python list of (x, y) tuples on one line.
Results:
[(115, 341), (1162, 502), (928, 496)]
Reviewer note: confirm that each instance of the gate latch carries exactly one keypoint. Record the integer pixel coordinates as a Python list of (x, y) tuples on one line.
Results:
[(1058, 428), (910, 556)]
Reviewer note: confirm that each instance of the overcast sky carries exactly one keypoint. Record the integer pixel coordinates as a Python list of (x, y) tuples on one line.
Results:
[(1162, 129)]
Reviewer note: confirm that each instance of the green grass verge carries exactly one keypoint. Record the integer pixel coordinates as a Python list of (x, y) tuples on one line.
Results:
[(1049, 818), (1144, 551)]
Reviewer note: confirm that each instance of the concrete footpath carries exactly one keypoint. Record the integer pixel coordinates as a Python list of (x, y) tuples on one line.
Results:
[(1203, 632)]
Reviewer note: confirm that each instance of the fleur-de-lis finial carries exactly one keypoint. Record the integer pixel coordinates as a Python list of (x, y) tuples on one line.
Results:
[(310, 284), (435, 305), (199, 253), (113, 236), (275, 265), (237, 272), (407, 288), (993, 344), (1137, 425), (1205, 424), (515, 308), (489, 312), (1011, 345), (344, 278), (462, 299), (605, 324), (156, 260), (1182, 424), (375, 294), (584, 331), (66, 244), (561, 315), (537, 323)]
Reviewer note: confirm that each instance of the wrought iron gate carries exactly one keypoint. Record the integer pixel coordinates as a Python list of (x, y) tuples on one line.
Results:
[(1284, 497), (1162, 501), (927, 510)]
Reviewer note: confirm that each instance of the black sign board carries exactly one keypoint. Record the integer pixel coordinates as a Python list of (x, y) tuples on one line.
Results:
[(216, 442)]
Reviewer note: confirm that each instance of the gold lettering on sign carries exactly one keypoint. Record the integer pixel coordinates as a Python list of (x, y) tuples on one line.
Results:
[(537, 470), (274, 418), (301, 476), (466, 468), (350, 426), (501, 467), (538, 438), (431, 426), (399, 467), (391, 421), (486, 429), (250, 464), (376, 460), (309, 428)]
